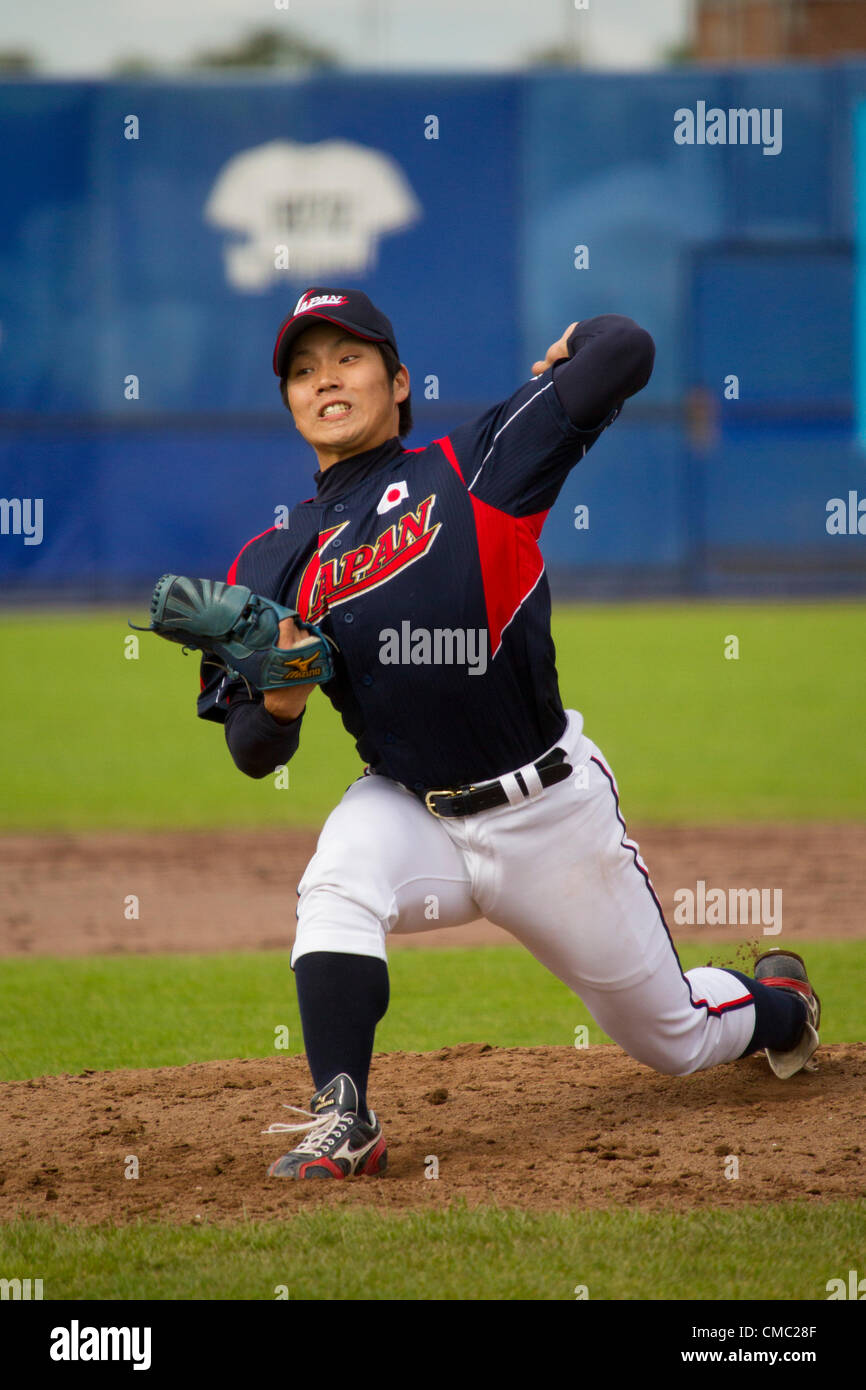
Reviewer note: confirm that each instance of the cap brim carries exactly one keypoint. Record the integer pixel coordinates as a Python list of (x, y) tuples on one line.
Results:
[(294, 327)]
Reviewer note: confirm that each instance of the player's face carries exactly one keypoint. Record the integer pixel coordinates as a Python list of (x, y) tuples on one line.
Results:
[(340, 395)]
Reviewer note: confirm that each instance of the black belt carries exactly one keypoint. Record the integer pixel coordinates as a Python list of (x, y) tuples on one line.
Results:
[(469, 800)]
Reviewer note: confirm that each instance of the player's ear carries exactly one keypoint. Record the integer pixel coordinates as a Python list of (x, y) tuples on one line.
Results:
[(401, 383)]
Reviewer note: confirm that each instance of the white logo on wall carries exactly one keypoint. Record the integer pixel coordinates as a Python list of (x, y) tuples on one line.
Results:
[(329, 203)]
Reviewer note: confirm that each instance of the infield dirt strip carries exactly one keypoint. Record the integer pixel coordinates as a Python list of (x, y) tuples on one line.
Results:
[(536, 1128), (64, 894)]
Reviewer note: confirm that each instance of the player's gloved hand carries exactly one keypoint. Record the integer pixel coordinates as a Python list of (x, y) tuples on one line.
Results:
[(555, 352), (287, 702), (244, 632)]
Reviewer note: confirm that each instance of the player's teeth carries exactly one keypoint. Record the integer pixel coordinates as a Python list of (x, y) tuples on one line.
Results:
[(335, 410)]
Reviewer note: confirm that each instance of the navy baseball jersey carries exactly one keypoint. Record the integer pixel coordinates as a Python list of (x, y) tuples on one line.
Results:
[(423, 566)]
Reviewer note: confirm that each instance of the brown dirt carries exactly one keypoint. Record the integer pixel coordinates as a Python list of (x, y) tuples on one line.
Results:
[(64, 894), (536, 1128)]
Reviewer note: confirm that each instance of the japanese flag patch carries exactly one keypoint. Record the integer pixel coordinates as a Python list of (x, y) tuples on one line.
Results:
[(393, 494)]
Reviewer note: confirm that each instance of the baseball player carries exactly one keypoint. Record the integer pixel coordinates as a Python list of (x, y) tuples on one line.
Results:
[(481, 795)]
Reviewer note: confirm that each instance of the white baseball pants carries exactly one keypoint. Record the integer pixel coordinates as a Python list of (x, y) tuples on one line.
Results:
[(556, 870)]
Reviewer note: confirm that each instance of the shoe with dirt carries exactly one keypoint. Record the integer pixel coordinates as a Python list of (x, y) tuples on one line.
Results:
[(786, 970), (340, 1144)]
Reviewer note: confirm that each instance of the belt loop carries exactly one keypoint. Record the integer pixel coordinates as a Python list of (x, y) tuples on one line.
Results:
[(511, 787), (532, 778)]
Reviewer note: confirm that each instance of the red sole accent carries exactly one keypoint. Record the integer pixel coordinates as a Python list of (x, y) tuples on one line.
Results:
[(783, 982), (327, 1163), (377, 1161)]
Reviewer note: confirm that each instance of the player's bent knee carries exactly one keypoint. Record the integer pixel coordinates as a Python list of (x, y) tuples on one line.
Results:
[(330, 882), (331, 919), (665, 1059), (344, 938)]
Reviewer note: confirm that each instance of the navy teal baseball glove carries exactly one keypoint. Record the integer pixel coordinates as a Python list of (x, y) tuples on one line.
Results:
[(241, 629)]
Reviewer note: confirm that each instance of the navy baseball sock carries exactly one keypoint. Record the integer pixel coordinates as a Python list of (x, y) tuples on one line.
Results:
[(779, 1016), (341, 998)]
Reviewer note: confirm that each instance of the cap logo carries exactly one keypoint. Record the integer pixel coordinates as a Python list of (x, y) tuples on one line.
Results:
[(313, 301)]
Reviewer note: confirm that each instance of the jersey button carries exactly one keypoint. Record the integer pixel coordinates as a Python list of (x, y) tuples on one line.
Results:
[(389, 738), (335, 545), (348, 617), (366, 680), (419, 786), (339, 507)]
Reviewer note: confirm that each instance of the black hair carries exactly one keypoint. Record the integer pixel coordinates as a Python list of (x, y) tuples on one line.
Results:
[(392, 366)]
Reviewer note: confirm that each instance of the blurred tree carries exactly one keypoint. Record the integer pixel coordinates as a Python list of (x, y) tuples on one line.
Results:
[(678, 54), (134, 66), (556, 55), (16, 60), (267, 48)]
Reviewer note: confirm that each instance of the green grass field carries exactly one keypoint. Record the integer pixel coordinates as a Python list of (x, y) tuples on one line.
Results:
[(104, 1012), (100, 740), (103, 742), (773, 1252)]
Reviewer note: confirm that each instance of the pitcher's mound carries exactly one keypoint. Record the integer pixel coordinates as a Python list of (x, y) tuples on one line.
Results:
[(538, 1127)]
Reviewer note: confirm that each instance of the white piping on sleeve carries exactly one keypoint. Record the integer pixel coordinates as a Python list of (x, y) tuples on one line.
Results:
[(539, 392)]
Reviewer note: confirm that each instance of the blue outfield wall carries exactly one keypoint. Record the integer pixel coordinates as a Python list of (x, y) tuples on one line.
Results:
[(153, 258)]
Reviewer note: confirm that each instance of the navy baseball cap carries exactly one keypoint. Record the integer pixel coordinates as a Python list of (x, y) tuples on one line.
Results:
[(351, 309)]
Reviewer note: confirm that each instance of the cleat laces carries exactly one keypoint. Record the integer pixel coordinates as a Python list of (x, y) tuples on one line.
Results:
[(322, 1129)]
